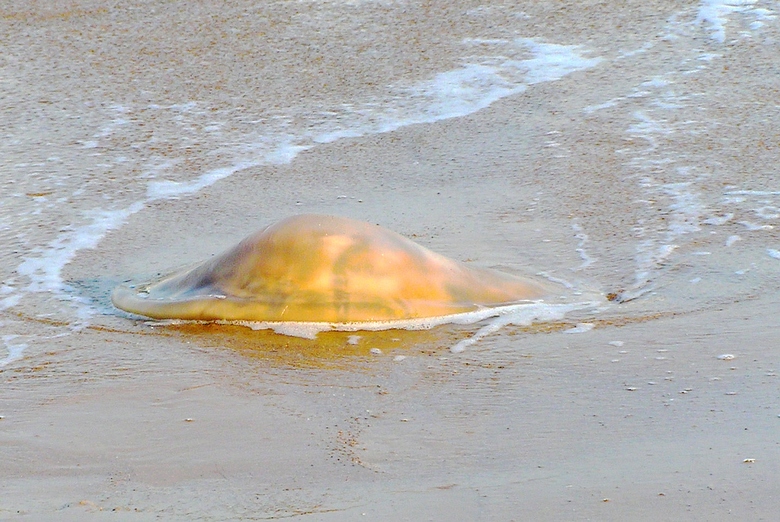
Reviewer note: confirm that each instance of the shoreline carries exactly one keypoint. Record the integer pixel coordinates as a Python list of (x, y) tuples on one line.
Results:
[(649, 175)]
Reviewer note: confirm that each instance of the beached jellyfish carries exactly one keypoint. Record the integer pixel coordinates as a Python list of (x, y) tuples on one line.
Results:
[(316, 268)]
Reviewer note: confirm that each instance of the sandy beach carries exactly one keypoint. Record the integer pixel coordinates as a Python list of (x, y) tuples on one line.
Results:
[(628, 153)]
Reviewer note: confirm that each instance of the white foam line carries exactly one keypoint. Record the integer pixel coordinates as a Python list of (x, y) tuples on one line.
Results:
[(557, 280), (753, 193), (14, 350), (753, 226), (522, 317), (553, 62), (715, 14), (719, 220), (520, 314), (167, 189), (767, 212), (470, 88), (580, 328), (8, 289), (44, 271), (583, 237), (451, 94), (648, 258), (309, 330), (687, 209), (590, 109)]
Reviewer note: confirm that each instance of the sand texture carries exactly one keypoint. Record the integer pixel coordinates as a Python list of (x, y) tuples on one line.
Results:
[(627, 152)]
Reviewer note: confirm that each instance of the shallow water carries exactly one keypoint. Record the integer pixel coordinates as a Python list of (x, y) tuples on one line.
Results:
[(630, 152), (647, 169)]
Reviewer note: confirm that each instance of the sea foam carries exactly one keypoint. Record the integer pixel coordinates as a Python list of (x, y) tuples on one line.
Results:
[(519, 314), (450, 94)]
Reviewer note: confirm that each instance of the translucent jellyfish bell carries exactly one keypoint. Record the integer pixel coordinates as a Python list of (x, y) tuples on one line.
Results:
[(315, 268)]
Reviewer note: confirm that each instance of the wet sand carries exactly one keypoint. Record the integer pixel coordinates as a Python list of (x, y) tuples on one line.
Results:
[(600, 178)]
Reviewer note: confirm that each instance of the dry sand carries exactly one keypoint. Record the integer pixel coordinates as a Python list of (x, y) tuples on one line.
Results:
[(638, 418)]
